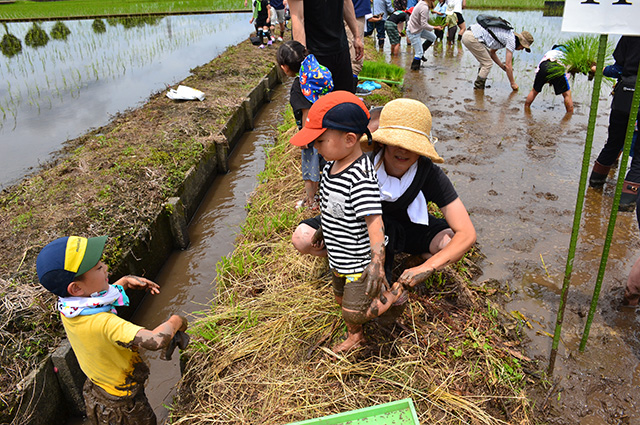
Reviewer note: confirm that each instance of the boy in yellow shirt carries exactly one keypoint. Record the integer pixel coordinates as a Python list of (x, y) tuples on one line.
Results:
[(106, 345)]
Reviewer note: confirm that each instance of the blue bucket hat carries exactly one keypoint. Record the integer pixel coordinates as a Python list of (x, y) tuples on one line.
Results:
[(315, 79)]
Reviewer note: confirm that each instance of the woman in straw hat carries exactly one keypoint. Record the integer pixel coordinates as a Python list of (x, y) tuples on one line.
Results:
[(404, 158)]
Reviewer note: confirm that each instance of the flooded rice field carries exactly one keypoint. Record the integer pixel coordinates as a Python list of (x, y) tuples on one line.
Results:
[(56, 89), (518, 175)]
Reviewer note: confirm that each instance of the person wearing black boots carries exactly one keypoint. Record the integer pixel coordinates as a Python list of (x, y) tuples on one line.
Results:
[(418, 29), (627, 57)]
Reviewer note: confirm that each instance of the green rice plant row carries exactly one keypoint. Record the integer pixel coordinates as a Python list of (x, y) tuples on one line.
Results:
[(77, 9)]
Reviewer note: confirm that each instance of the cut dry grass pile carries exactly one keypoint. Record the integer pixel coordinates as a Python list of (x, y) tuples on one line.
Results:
[(112, 181), (262, 354)]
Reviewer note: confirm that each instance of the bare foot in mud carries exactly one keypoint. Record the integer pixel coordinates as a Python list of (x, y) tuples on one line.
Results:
[(353, 341)]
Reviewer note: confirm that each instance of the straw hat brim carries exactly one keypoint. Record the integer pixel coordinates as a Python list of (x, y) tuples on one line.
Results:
[(409, 140)]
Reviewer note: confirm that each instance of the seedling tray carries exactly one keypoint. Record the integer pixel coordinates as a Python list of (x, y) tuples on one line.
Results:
[(401, 412)]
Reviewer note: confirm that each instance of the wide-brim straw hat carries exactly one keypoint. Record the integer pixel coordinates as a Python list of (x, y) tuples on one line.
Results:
[(406, 123)]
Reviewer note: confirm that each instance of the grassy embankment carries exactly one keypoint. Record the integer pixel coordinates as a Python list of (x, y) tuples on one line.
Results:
[(25, 10), (112, 181), (262, 355)]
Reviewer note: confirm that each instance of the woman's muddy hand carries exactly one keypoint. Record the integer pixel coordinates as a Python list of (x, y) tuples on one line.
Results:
[(411, 277), (317, 241)]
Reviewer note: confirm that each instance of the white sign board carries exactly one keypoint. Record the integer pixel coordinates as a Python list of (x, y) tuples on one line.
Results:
[(602, 16)]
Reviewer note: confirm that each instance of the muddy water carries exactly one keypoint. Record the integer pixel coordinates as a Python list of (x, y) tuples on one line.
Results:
[(187, 277), (518, 174)]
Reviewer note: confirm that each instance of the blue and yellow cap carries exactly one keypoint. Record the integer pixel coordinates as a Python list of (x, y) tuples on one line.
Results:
[(62, 260)]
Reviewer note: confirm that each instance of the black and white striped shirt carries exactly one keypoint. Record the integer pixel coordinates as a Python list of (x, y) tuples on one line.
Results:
[(346, 198)]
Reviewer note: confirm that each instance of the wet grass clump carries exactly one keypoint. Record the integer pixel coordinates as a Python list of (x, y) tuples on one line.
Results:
[(36, 37), (10, 45), (60, 31), (98, 26)]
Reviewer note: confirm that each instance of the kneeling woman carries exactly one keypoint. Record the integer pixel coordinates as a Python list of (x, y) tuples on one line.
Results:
[(409, 179)]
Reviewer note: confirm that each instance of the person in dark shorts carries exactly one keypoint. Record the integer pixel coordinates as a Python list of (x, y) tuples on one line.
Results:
[(550, 70)]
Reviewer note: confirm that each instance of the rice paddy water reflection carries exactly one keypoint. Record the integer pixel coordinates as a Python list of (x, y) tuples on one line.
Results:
[(77, 80)]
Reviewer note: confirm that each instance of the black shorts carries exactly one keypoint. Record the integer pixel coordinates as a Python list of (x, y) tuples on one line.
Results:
[(460, 18), (261, 22), (546, 75)]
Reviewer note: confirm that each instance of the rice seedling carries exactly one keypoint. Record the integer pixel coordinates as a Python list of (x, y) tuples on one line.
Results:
[(382, 70), (581, 52)]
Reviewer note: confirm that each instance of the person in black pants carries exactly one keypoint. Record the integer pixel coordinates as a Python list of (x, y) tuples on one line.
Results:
[(627, 56), (319, 26)]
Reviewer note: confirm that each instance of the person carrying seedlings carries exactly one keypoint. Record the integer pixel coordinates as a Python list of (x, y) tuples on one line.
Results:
[(418, 29), (391, 26), (352, 228), (105, 345), (382, 9), (627, 56), (457, 6), (551, 70), (314, 80), (484, 40)]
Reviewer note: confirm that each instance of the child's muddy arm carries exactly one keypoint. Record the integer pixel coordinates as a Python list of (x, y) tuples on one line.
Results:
[(161, 335), (373, 275), (137, 282)]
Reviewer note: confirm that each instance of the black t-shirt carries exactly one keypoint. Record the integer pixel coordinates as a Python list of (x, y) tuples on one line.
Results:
[(397, 17), (437, 188), (627, 54), (298, 101), (324, 27)]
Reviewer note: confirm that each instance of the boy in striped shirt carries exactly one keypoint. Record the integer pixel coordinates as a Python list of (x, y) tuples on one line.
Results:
[(351, 220)]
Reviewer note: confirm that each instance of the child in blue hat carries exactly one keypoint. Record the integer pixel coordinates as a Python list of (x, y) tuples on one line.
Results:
[(105, 345), (312, 81)]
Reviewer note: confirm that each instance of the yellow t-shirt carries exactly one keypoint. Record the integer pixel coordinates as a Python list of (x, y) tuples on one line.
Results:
[(101, 344)]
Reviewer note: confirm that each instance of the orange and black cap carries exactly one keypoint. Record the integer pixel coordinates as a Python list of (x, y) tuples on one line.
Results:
[(338, 110)]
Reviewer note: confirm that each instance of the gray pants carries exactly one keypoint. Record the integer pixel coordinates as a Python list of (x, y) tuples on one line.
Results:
[(416, 41)]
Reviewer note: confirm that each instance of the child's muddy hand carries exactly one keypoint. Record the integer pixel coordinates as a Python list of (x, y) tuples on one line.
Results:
[(411, 277), (317, 241), (137, 282), (374, 278)]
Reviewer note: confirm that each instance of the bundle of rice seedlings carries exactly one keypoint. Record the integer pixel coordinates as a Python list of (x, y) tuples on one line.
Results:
[(581, 53), (382, 70)]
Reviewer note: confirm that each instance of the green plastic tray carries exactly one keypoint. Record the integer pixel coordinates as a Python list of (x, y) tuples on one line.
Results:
[(401, 412)]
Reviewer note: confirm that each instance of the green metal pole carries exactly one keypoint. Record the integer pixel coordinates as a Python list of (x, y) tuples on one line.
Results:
[(586, 159), (614, 211)]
